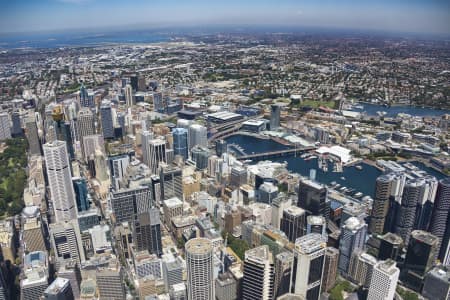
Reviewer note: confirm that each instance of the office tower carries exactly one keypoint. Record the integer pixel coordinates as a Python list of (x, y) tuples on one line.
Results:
[(59, 289), (200, 156), (284, 262), (173, 269), (118, 165), (85, 127), (353, 209), (199, 263), (71, 271), (221, 147), (330, 268), (281, 202), (267, 192), (85, 99), (146, 137), (440, 216), (59, 176), (293, 222), (238, 176), (66, 129), (384, 280), (226, 287), (413, 192), (106, 116), (361, 268), (178, 292), (134, 81), (309, 253), (420, 257), (388, 190), (158, 102), (425, 207), (317, 224), (93, 144), (232, 219), (146, 264), (275, 111), (110, 281), (5, 126), (437, 284), (127, 204), (65, 239), (172, 207), (171, 181), (33, 233), (16, 129), (312, 197), (197, 136), (180, 142), (147, 232), (156, 153), (4, 289), (391, 246), (129, 95), (353, 238), (81, 193), (35, 276), (258, 274), (31, 132)]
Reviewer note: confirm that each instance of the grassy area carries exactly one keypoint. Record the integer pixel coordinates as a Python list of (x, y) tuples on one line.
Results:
[(336, 293), (317, 104), (407, 295)]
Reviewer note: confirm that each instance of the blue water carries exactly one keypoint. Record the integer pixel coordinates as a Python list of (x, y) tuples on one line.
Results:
[(71, 39), (372, 109), (253, 144)]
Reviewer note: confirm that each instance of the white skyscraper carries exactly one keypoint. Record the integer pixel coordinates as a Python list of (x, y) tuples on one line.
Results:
[(197, 136), (156, 154), (129, 95), (199, 263), (352, 239), (85, 127), (5, 126), (60, 181), (258, 274), (384, 281)]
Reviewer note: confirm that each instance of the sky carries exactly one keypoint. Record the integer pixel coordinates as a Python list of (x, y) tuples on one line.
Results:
[(414, 16)]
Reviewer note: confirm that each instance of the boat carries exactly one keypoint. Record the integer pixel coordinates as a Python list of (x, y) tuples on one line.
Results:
[(342, 178), (358, 195), (358, 167), (343, 188), (333, 183)]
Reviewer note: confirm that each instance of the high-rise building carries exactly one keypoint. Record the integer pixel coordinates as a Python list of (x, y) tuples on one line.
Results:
[(420, 257), (129, 95), (33, 232), (35, 276), (281, 202), (31, 132), (59, 289), (200, 156), (92, 144), (16, 129), (275, 111), (284, 262), (330, 268), (106, 116), (312, 197), (180, 142), (221, 147), (110, 281), (309, 253), (147, 232), (226, 287), (156, 153), (85, 99), (267, 192), (5, 126), (127, 204), (81, 193), (384, 280), (388, 191), (70, 270), (172, 207), (258, 274), (425, 207), (146, 264), (437, 284), (391, 246), (66, 242), (440, 217), (197, 136), (173, 269), (293, 222), (4, 290), (199, 263), (353, 238), (59, 176), (118, 165), (85, 127), (317, 224), (171, 181), (238, 176), (361, 268)]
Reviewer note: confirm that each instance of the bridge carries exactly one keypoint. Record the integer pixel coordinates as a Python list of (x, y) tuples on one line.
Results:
[(274, 154), (225, 133)]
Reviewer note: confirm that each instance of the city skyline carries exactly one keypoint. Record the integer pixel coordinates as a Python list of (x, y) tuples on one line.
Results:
[(426, 17)]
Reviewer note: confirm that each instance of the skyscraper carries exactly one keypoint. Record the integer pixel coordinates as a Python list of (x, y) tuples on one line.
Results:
[(129, 95), (147, 232), (59, 289), (200, 156), (440, 217), (281, 202), (425, 207), (275, 111), (106, 117), (16, 129), (221, 147), (293, 222), (180, 142), (127, 204), (361, 268), (5, 126), (317, 224), (437, 284), (32, 135), (118, 165), (309, 253), (284, 262), (81, 194), (171, 181), (85, 126), (199, 263), (110, 281), (66, 242), (391, 246), (197, 136), (312, 197), (384, 280), (330, 268), (353, 238), (258, 274), (156, 154), (85, 99), (60, 181), (388, 190)]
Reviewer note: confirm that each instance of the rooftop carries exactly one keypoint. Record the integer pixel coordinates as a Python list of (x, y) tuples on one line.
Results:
[(173, 202), (199, 246), (310, 243)]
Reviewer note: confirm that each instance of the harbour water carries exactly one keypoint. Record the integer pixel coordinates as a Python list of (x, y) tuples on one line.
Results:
[(372, 109)]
